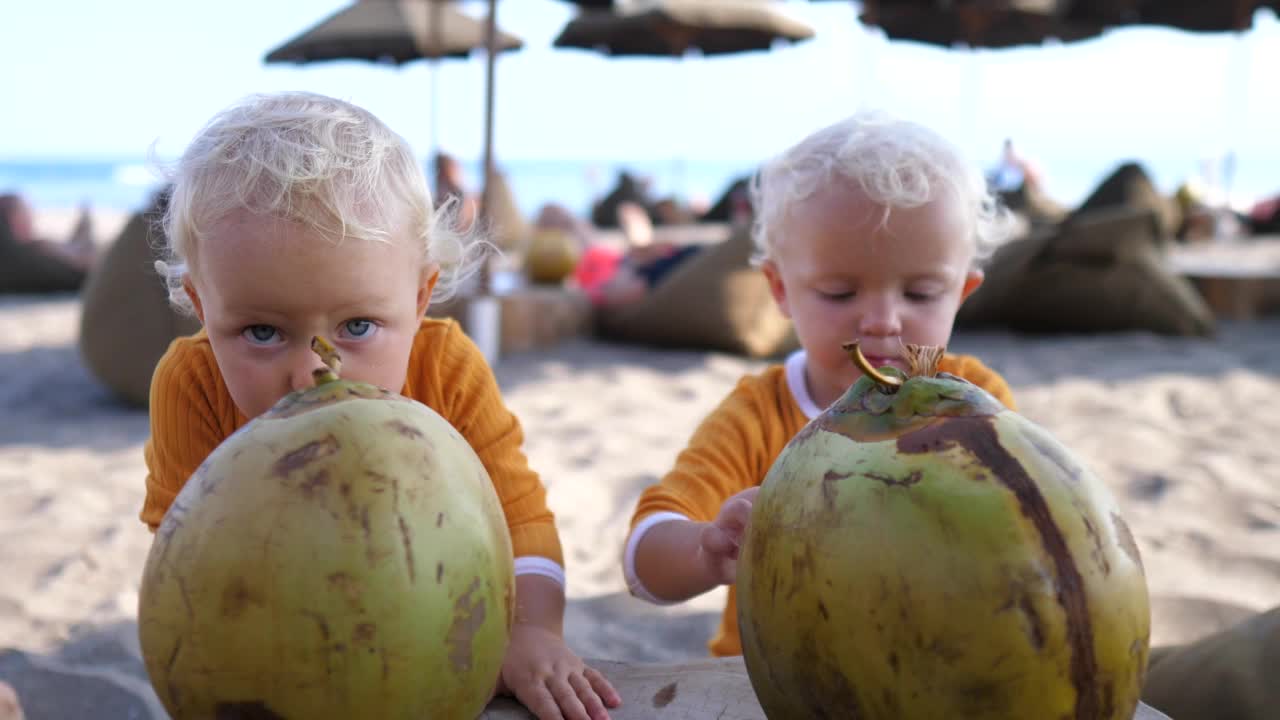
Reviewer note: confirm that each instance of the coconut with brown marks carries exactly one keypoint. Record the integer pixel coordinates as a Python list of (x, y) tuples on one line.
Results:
[(919, 551), (343, 555)]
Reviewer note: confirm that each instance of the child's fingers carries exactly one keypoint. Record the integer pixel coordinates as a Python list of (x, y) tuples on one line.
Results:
[(740, 513), (716, 542), (566, 698), (603, 687), (540, 701), (589, 698)]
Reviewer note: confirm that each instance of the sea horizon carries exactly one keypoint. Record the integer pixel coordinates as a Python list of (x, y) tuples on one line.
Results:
[(124, 183)]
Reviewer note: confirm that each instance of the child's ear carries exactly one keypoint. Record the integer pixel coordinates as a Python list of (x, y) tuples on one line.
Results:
[(779, 291), (972, 282), (426, 284), (190, 288)]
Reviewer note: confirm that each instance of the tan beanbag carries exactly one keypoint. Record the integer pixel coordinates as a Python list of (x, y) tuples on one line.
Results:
[(1130, 186), (507, 227), (714, 300), (1102, 271), (1003, 274), (25, 269), (1230, 675), (127, 323)]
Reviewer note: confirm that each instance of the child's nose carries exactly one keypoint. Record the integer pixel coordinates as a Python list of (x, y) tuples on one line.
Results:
[(300, 371), (880, 319)]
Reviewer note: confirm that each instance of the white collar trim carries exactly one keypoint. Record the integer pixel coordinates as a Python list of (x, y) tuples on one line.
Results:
[(799, 389)]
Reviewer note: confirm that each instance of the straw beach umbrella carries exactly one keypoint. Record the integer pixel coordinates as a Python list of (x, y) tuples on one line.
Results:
[(1199, 16), (1000, 24), (674, 28), (985, 23), (1005, 23), (393, 32)]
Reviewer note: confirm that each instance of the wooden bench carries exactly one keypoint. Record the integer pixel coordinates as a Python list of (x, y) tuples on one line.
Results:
[(531, 316), (1236, 278)]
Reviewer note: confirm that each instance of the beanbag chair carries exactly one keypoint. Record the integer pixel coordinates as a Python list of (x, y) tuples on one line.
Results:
[(127, 323), (738, 192), (1102, 271), (1003, 274), (1230, 675), (25, 269), (506, 226), (1130, 186), (714, 300), (604, 214)]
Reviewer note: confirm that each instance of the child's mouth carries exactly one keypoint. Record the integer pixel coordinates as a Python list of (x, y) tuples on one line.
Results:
[(879, 361)]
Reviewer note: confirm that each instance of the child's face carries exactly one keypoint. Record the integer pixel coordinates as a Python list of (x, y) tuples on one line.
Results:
[(841, 274), (263, 287)]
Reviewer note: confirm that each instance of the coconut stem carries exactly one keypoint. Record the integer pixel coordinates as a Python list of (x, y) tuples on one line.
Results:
[(888, 384), (330, 357)]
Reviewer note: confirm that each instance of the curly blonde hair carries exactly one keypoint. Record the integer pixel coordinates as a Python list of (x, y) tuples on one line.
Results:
[(894, 162), (317, 161)]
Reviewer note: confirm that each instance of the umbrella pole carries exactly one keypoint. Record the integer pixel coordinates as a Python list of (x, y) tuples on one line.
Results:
[(433, 28), (490, 43), (484, 313)]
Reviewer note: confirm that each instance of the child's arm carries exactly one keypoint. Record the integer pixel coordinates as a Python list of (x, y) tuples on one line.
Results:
[(679, 559), (540, 670), (191, 413)]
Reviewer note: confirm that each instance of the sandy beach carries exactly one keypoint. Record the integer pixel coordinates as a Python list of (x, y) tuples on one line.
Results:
[(1183, 431)]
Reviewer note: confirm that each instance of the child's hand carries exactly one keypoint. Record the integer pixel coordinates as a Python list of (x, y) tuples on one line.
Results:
[(721, 539), (550, 680)]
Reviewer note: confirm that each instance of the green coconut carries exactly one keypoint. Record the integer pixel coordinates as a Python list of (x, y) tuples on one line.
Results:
[(344, 555), (919, 551)]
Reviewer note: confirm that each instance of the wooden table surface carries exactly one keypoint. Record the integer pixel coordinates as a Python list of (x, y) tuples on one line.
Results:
[(712, 689), (1235, 277)]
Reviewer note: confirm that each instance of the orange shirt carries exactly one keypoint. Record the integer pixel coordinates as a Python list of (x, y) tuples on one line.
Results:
[(737, 443), (192, 412)]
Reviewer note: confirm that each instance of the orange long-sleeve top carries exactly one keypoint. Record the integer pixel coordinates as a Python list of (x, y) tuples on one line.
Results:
[(192, 412), (736, 444)]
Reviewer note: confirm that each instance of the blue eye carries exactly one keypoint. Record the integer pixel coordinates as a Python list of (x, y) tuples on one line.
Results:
[(359, 328), (261, 334)]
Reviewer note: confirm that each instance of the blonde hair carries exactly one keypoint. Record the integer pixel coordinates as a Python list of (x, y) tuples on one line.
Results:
[(895, 163), (324, 163)]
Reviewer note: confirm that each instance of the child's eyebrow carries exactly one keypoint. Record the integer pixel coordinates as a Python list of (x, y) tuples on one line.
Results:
[(942, 273)]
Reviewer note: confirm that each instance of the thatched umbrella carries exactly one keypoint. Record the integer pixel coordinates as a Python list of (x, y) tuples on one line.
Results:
[(1005, 23), (393, 32), (986, 24), (674, 27), (1197, 15)]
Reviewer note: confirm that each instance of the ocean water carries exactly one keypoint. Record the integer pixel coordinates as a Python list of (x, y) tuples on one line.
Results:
[(126, 183)]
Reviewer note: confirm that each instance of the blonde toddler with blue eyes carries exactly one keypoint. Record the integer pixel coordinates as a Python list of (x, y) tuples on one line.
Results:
[(294, 215)]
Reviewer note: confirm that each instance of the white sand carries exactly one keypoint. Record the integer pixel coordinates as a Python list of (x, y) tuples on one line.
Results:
[(1184, 431)]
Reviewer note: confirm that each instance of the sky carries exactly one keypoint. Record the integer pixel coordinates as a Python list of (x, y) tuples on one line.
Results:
[(121, 78)]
